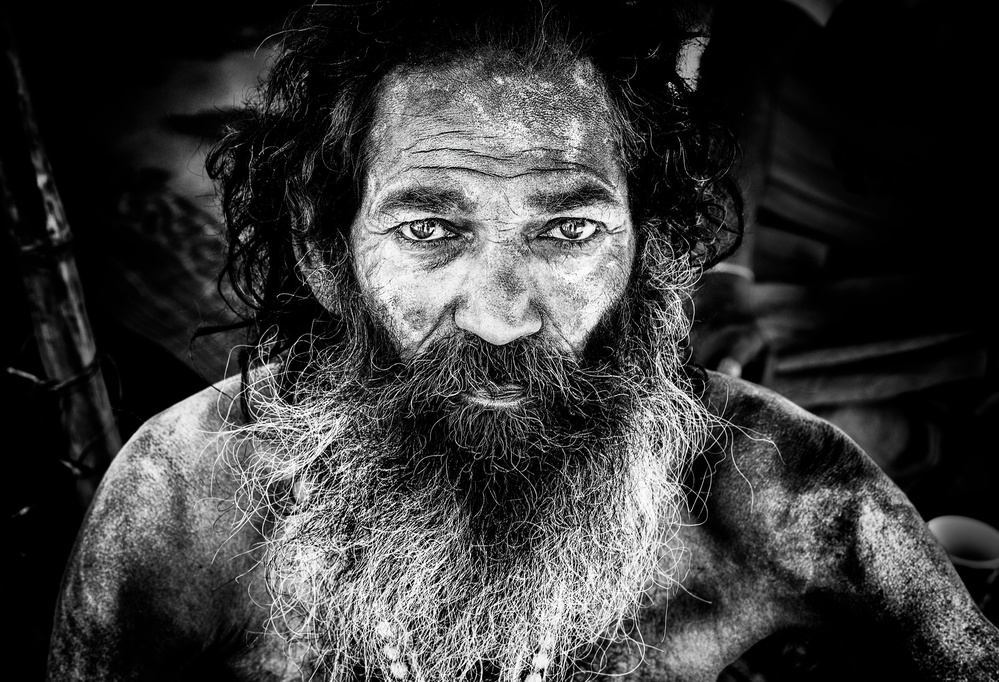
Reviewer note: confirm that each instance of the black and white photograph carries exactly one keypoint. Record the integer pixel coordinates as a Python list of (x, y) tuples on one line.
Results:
[(500, 341)]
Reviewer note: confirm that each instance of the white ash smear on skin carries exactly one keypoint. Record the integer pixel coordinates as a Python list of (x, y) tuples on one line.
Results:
[(517, 107)]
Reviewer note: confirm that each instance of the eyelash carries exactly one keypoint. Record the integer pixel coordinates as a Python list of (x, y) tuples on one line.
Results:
[(453, 235), (571, 243), (426, 243)]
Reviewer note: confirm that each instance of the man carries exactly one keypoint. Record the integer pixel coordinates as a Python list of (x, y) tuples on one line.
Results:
[(464, 444)]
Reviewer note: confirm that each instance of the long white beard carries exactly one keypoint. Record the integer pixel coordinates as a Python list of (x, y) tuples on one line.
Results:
[(383, 578)]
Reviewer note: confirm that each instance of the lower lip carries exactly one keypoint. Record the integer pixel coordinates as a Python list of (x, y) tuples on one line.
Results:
[(494, 403)]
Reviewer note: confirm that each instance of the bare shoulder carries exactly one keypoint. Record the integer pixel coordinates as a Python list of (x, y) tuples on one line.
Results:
[(158, 560), (795, 487), (780, 482), (170, 468), (169, 480), (773, 431), (766, 445), (797, 476), (179, 434)]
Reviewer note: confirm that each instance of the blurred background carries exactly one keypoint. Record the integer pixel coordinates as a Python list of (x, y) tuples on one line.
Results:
[(862, 292)]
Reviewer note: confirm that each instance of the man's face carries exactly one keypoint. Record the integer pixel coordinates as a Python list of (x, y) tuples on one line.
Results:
[(494, 204)]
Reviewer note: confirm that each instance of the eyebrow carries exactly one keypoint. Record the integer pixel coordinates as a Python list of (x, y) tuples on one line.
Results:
[(443, 200), (567, 199), (427, 199)]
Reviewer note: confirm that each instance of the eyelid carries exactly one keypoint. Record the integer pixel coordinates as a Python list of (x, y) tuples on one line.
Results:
[(556, 223), (450, 237), (434, 223)]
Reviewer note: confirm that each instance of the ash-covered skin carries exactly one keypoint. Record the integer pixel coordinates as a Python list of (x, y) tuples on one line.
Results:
[(495, 203)]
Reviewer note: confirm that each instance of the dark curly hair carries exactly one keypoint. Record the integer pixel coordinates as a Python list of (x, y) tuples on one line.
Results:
[(290, 168)]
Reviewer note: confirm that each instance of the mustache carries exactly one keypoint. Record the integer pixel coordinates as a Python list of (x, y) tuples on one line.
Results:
[(533, 370)]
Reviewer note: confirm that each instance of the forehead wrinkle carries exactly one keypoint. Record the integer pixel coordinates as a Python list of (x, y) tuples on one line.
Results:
[(514, 154), (506, 95), (497, 153), (576, 136), (568, 168)]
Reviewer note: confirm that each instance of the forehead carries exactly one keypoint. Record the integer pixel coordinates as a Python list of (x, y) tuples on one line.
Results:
[(499, 119)]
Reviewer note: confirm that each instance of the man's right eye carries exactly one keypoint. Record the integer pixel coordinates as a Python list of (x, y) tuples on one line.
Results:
[(426, 230)]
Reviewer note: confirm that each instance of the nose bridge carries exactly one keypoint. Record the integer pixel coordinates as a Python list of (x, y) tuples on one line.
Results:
[(497, 302)]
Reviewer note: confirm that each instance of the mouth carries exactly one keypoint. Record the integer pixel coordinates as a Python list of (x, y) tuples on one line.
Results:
[(493, 397)]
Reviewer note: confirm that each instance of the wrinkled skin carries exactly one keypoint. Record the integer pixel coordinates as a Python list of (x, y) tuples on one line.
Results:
[(495, 205), (789, 525)]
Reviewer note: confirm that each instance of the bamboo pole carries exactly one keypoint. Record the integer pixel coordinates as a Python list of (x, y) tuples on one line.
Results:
[(37, 222)]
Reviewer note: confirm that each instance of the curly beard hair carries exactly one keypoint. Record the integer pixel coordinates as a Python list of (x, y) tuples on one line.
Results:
[(412, 533)]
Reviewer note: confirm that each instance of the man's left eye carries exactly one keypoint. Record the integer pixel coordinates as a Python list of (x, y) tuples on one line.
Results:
[(426, 230), (571, 229)]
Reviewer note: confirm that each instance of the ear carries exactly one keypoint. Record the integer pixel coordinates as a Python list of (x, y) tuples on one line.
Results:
[(319, 269)]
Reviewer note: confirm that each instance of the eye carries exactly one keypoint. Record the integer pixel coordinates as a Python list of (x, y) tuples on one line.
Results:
[(426, 230), (571, 229)]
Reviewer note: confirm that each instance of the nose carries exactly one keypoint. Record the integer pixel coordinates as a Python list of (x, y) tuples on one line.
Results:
[(497, 301)]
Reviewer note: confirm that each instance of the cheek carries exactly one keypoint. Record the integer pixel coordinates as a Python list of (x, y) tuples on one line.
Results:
[(578, 298), (409, 304)]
